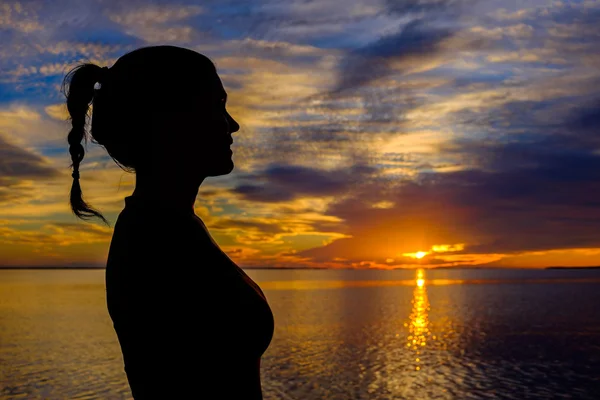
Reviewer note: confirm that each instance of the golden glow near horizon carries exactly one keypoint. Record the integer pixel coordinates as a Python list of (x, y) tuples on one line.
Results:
[(418, 325), (418, 254), (436, 248), (446, 248)]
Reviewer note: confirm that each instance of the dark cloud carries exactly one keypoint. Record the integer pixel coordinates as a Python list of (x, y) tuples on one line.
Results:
[(586, 121), (237, 223), (419, 6), (431, 23), (263, 194), (21, 164), (371, 62), (18, 164), (284, 183)]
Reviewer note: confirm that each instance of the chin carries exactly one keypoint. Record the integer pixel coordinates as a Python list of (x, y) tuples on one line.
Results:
[(222, 169)]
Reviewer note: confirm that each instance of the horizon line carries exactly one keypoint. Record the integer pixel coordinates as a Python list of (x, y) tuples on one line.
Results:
[(54, 267)]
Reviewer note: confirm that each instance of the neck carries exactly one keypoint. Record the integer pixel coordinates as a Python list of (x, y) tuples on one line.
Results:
[(168, 189)]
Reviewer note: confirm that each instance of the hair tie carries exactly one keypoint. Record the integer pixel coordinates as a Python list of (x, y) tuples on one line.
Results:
[(101, 78), (75, 174)]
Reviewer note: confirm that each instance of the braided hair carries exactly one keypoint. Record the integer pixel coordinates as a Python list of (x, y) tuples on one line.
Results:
[(82, 86)]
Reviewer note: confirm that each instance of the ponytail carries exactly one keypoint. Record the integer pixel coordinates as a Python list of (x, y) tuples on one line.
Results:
[(82, 80)]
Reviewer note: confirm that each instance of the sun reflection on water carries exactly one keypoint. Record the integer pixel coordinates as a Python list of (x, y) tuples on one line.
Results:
[(418, 325)]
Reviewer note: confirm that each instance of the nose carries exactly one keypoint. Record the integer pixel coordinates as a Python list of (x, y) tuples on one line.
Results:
[(233, 125)]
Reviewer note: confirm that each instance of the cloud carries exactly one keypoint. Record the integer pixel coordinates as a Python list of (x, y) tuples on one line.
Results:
[(452, 8), (518, 31), (586, 120), (414, 40), (416, 43), (504, 15), (86, 49), (285, 183), (57, 111), (21, 164), (16, 16), (543, 56), (158, 23), (26, 127), (57, 234), (247, 224), (275, 50), (154, 14), (18, 165)]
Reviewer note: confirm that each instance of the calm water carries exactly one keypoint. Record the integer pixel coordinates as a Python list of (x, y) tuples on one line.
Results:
[(344, 335)]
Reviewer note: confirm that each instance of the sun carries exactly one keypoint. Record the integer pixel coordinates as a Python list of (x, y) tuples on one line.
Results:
[(420, 254)]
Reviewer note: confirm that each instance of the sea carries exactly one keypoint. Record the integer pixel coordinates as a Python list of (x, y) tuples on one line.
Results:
[(339, 335)]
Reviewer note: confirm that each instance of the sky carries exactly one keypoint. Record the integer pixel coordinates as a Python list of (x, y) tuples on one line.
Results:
[(377, 134)]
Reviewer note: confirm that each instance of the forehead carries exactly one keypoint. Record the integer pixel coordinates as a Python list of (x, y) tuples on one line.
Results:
[(208, 87)]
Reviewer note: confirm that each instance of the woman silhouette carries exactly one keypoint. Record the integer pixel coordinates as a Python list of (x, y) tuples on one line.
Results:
[(191, 324)]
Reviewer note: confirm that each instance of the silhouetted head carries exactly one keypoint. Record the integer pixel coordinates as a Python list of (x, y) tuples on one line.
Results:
[(157, 108)]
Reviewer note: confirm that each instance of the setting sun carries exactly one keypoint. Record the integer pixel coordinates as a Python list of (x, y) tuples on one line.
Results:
[(418, 254)]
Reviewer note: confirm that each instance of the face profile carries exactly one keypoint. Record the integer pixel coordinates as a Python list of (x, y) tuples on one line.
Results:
[(214, 138), (198, 138)]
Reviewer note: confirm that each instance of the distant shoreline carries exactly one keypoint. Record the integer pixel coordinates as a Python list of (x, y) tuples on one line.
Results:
[(52, 267), (313, 268), (60, 267)]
